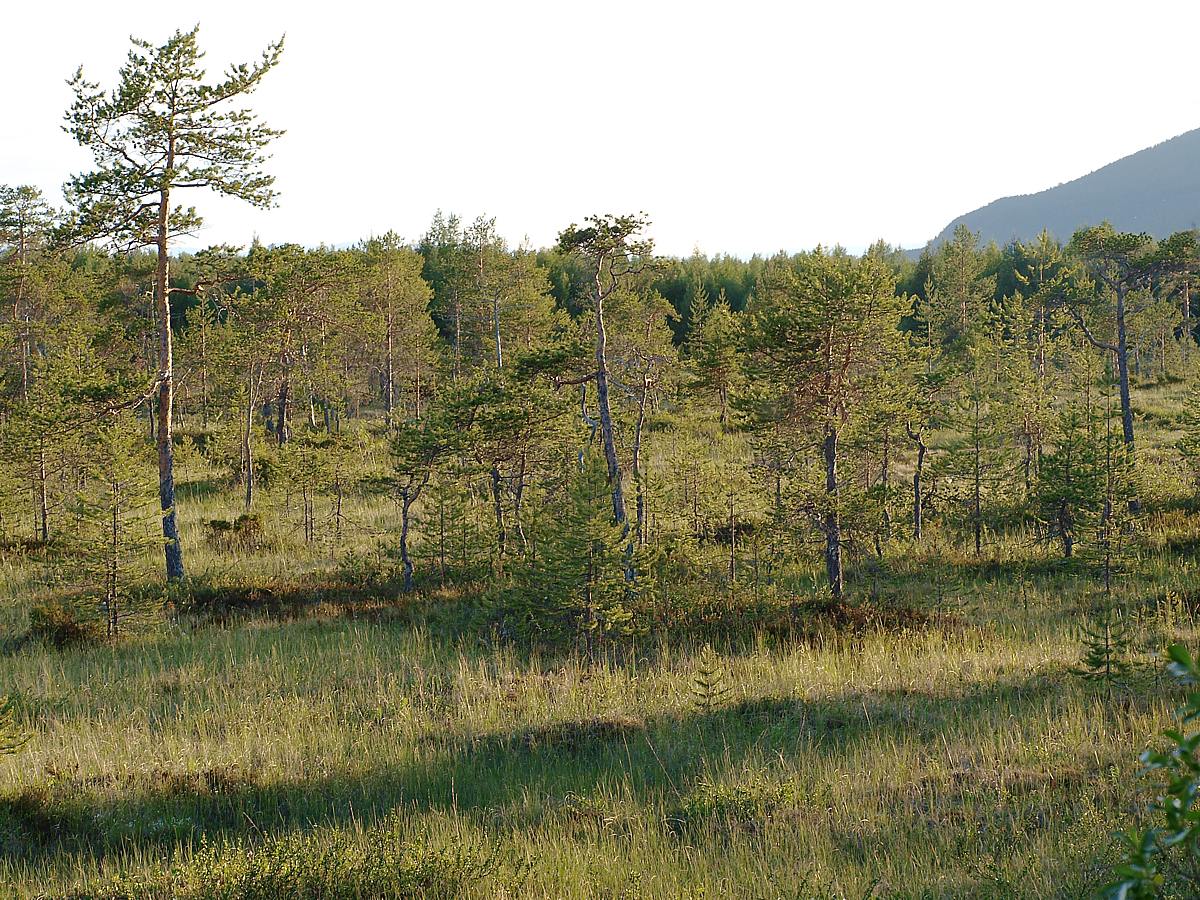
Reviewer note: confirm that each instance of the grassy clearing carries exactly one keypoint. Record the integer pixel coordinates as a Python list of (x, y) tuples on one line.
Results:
[(337, 741), (923, 764)]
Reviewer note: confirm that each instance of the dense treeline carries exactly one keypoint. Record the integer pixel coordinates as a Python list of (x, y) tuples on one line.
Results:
[(578, 443)]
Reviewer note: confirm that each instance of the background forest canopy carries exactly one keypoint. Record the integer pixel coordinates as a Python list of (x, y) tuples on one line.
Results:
[(968, 391)]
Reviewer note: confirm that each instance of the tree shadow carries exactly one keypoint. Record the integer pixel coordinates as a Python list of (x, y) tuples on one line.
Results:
[(194, 490), (68, 819)]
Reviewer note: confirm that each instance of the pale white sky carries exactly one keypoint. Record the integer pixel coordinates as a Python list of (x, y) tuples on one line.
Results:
[(739, 126)]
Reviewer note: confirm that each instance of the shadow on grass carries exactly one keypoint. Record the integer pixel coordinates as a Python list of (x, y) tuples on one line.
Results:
[(197, 489), (494, 774)]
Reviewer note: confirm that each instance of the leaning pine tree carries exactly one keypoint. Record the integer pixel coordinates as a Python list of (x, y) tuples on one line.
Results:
[(163, 129)]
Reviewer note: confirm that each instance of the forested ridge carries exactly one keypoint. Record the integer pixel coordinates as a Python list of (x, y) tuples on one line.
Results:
[(1156, 190), (445, 566)]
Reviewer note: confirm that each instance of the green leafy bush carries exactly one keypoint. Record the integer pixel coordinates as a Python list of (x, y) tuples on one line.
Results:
[(1161, 860), (747, 805), (243, 533)]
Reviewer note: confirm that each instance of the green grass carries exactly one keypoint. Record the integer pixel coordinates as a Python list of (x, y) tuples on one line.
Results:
[(952, 763), (344, 743)]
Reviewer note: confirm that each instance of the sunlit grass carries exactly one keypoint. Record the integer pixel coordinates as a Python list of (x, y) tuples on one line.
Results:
[(958, 756)]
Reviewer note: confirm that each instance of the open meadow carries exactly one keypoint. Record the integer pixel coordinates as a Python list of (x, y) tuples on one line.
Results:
[(328, 731)]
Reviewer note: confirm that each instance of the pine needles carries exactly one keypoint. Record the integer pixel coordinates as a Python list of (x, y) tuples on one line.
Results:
[(12, 738), (710, 688), (1107, 641)]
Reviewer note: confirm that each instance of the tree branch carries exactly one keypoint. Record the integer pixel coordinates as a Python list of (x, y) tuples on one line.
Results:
[(1098, 344)]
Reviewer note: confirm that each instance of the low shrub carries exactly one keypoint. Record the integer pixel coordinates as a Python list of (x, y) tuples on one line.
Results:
[(745, 806), (244, 533), (61, 625), (326, 866), (12, 736)]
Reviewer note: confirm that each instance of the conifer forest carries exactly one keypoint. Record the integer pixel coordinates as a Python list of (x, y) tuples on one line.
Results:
[(448, 566)]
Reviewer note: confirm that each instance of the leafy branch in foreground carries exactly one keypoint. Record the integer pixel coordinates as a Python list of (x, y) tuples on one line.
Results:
[(1151, 865)]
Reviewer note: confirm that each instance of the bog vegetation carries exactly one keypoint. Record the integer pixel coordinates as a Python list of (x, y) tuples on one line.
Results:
[(450, 567)]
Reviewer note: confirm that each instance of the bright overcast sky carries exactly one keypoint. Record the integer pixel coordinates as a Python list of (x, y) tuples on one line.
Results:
[(739, 127)]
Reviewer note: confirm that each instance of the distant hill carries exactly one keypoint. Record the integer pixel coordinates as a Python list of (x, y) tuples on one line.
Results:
[(1156, 190)]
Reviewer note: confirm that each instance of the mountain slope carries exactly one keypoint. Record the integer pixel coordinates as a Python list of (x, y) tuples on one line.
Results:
[(1156, 190)]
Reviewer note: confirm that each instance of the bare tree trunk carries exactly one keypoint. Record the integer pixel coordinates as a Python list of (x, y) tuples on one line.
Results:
[(172, 549), (501, 531), (918, 475), (338, 517), (833, 525), (885, 466), (518, 496), (42, 496), (408, 496), (281, 410), (606, 424), (247, 437), (1123, 382), (24, 341), (638, 477), (1065, 530), (496, 330), (1106, 515), (977, 495), (406, 501), (389, 388)]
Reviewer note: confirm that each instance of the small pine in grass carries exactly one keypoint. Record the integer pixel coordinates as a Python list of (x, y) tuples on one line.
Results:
[(116, 514), (1107, 645), (455, 547), (586, 578), (1070, 491), (1189, 443), (709, 687), (12, 738)]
